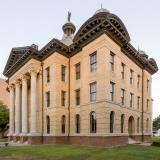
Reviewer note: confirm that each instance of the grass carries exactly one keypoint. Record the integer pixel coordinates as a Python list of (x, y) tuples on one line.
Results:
[(3, 139), (154, 139), (75, 152)]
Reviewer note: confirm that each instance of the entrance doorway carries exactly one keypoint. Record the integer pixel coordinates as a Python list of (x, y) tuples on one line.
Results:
[(131, 126)]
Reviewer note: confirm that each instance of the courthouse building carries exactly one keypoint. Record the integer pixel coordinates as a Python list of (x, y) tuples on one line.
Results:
[(90, 88)]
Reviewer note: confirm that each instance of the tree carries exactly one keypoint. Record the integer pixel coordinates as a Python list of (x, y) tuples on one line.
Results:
[(4, 118), (156, 122)]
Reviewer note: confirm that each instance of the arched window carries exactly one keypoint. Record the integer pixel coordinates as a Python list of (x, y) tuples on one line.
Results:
[(122, 123), (47, 125), (93, 122), (77, 123), (138, 124), (112, 122), (63, 124), (147, 126)]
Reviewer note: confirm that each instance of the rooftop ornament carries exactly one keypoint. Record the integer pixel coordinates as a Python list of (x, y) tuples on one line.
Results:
[(69, 16)]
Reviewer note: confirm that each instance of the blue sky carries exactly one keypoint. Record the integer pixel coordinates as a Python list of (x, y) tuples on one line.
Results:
[(25, 22)]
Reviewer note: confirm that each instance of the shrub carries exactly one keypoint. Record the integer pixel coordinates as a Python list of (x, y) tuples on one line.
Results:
[(156, 143)]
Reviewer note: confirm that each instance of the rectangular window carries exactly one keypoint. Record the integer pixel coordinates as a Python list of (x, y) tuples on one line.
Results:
[(77, 92), (131, 76), (112, 62), (138, 122), (63, 73), (93, 91), (77, 71), (63, 98), (122, 96), (47, 75), (93, 59), (147, 104), (147, 85), (122, 71), (138, 81), (138, 101), (111, 91), (131, 100), (47, 99)]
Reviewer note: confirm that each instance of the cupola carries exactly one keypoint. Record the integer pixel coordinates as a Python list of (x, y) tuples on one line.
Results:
[(143, 54), (101, 10), (69, 30)]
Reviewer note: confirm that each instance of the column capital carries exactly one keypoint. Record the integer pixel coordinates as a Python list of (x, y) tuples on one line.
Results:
[(11, 87), (17, 83), (33, 72), (24, 78)]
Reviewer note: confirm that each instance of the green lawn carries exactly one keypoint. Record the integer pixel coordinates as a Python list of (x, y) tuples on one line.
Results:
[(155, 139), (3, 139), (75, 152)]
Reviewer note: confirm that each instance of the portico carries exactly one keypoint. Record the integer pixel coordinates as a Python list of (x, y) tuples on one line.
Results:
[(19, 106)]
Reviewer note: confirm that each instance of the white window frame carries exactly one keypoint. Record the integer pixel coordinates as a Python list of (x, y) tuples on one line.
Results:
[(90, 123), (75, 97), (90, 91)]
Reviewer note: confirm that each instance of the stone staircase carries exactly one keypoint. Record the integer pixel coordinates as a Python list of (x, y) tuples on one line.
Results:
[(132, 141)]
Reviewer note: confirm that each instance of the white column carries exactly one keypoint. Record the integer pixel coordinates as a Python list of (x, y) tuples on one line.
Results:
[(11, 112), (33, 109), (18, 109), (24, 105)]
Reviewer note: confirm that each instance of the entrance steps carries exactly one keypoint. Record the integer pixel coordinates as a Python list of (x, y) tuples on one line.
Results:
[(132, 141)]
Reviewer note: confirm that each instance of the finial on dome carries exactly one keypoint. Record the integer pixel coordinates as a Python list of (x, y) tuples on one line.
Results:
[(138, 48), (69, 16), (101, 5)]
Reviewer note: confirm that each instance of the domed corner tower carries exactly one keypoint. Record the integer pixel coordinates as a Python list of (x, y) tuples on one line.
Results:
[(143, 54), (69, 30)]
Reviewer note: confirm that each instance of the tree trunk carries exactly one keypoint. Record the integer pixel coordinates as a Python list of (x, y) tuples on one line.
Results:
[(2, 132)]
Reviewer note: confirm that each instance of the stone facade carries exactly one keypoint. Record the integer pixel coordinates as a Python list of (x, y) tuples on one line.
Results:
[(36, 92)]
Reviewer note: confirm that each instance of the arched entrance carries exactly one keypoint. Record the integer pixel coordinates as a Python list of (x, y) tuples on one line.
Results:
[(131, 126)]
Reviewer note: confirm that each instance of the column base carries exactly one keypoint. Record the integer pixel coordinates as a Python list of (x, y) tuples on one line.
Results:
[(34, 134), (23, 134), (15, 134)]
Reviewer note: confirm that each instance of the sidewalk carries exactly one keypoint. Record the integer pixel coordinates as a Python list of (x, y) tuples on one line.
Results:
[(11, 144)]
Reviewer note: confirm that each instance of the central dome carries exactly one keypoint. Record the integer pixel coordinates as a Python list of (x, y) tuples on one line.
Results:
[(101, 10)]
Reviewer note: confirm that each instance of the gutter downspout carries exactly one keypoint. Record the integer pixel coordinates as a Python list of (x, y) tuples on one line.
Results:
[(42, 102), (69, 104), (142, 104)]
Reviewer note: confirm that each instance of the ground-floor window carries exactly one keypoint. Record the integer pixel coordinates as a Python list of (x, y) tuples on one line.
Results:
[(112, 122), (47, 125), (77, 123), (63, 124), (93, 122), (138, 122), (147, 126), (122, 123)]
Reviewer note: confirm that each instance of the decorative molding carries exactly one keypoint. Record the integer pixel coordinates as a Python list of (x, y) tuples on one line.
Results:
[(109, 101), (33, 72), (101, 135), (17, 83), (24, 78), (55, 106), (11, 87)]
